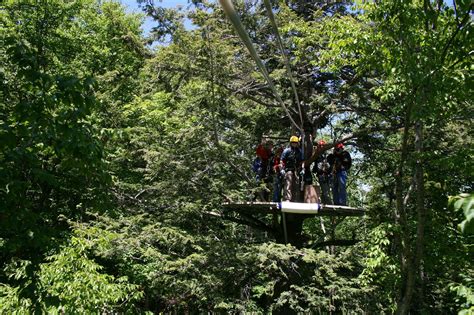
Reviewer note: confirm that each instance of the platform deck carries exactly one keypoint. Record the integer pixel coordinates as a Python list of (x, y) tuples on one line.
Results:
[(274, 207)]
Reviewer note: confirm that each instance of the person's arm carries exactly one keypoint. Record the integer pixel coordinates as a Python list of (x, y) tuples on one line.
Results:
[(326, 167), (276, 164)]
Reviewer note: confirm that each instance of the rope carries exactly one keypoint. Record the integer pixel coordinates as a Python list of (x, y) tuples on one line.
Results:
[(234, 18), (285, 56)]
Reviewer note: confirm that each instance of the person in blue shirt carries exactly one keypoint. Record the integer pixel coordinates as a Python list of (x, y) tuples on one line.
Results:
[(290, 165)]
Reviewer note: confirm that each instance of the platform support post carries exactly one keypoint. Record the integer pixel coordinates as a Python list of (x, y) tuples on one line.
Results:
[(285, 234)]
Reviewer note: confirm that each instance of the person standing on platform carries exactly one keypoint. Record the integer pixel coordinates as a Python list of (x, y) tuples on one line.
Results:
[(340, 162), (322, 169), (264, 153), (290, 165), (278, 179), (263, 169)]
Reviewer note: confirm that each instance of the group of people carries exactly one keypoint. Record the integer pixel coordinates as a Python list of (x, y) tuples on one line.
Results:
[(284, 169)]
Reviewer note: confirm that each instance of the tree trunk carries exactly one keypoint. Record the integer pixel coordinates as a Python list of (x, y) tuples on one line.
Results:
[(401, 219), (414, 258), (400, 216), (420, 208)]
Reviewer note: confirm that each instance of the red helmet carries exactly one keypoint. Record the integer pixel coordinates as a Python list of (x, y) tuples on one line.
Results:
[(321, 142), (339, 146)]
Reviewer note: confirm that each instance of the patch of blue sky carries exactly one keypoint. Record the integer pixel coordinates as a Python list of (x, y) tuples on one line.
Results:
[(148, 24)]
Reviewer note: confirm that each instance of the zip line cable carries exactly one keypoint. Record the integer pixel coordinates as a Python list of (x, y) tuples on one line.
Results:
[(285, 56), (234, 18), (288, 69)]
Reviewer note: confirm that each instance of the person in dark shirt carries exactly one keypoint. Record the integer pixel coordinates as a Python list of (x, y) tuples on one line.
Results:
[(290, 165), (322, 169), (340, 162)]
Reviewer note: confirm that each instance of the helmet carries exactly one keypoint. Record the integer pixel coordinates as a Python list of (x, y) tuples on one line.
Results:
[(294, 139), (321, 142), (339, 146)]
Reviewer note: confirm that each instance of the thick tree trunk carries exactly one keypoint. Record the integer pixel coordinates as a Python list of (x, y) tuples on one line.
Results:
[(420, 208), (414, 257)]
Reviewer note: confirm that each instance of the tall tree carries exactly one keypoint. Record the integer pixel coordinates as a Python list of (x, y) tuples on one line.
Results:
[(420, 51), (53, 169)]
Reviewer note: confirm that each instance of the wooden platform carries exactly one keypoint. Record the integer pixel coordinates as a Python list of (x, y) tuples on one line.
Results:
[(275, 207)]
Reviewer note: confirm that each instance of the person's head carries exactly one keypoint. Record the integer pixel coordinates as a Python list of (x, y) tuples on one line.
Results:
[(294, 141), (321, 143), (339, 147)]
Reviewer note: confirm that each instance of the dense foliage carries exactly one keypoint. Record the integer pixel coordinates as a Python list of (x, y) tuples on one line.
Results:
[(116, 157)]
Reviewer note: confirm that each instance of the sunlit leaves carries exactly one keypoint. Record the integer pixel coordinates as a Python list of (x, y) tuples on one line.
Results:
[(464, 203), (78, 283)]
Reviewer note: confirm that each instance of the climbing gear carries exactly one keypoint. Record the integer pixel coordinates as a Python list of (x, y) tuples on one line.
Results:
[(291, 159), (339, 161), (294, 139), (346, 160)]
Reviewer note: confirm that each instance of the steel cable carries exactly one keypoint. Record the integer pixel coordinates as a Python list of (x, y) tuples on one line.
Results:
[(234, 18)]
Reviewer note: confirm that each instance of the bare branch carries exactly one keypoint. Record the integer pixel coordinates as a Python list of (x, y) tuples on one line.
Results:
[(410, 189)]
